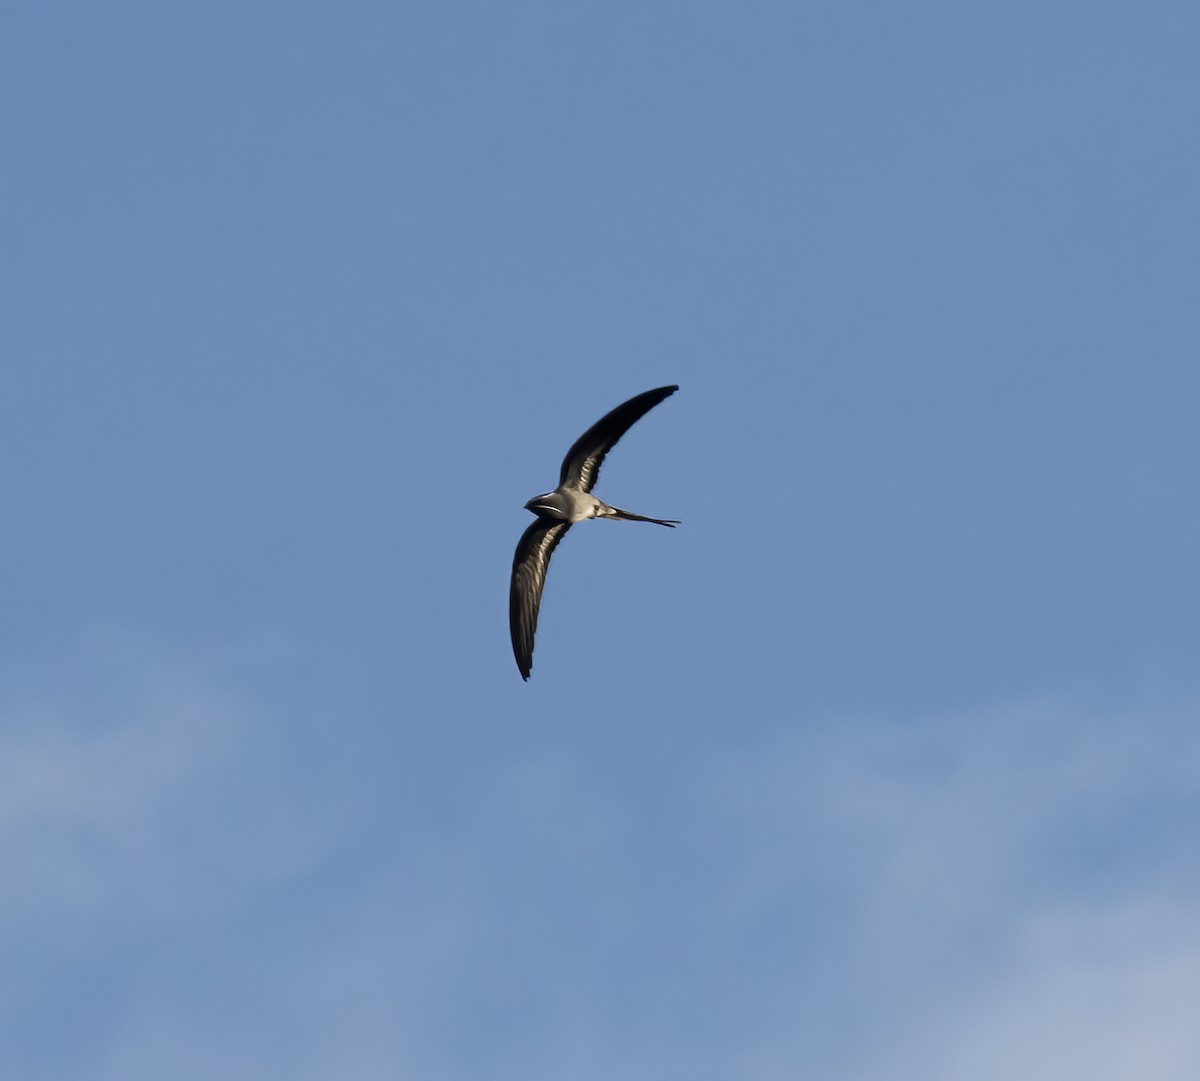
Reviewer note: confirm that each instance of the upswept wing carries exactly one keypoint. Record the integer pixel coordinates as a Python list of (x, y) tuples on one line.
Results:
[(528, 579), (581, 466)]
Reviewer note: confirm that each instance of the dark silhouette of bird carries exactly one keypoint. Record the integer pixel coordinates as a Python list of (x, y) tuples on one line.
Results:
[(572, 501)]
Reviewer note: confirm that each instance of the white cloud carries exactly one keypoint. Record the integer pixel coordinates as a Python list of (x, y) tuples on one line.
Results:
[(138, 786), (1007, 894), (1020, 890), (1109, 996)]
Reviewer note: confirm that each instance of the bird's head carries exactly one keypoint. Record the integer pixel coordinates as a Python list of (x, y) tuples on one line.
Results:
[(546, 505)]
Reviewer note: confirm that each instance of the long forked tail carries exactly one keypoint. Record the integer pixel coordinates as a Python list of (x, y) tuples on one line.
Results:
[(616, 512)]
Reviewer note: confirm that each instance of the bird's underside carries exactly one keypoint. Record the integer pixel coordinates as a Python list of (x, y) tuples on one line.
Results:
[(558, 510)]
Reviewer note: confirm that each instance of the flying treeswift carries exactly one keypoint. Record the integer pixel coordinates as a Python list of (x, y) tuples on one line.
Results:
[(572, 501)]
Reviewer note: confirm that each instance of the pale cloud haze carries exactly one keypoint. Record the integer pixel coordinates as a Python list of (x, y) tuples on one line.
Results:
[(972, 895)]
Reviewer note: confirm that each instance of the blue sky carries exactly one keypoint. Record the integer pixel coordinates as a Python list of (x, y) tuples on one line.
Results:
[(882, 766)]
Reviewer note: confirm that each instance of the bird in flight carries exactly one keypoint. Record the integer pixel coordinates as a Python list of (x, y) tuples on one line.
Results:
[(572, 501)]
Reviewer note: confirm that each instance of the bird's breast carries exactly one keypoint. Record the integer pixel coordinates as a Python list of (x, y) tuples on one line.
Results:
[(580, 505)]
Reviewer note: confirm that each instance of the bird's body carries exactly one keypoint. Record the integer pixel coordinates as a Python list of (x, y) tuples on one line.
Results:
[(566, 505), (572, 501), (572, 505)]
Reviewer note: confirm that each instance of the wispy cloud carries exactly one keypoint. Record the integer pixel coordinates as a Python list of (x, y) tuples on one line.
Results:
[(1016, 892), (139, 786), (1109, 995), (1006, 893)]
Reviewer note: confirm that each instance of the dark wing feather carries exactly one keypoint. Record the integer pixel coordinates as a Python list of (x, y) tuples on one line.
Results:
[(528, 577), (581, 466)]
